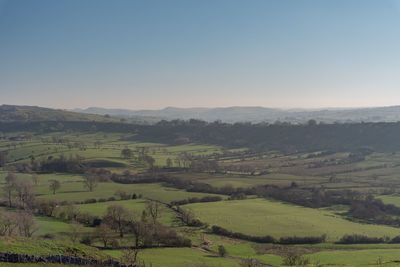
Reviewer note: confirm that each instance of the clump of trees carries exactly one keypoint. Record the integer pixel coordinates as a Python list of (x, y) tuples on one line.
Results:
[(18, 192), (197, 200), (361, 239), (259, 239), (145, 228), (17, 223)]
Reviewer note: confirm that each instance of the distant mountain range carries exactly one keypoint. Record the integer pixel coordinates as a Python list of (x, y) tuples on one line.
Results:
[(256, 114), (229, 114)]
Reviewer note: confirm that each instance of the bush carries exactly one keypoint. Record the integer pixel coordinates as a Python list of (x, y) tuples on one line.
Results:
[(360, 239), (295, 260), (114, 243), (221, 251), (259, 239), (302, 240), (395, 240), (90, 200), (197, 200), (87, 240), (48, 236)]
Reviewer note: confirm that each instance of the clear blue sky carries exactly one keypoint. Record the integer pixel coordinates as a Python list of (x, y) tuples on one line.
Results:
[(152, 54)]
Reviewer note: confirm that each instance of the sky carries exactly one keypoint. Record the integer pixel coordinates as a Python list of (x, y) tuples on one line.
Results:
[(148, 54)]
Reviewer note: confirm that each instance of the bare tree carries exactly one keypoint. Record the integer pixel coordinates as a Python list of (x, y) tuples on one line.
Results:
[(46, 206), (26, 223), (116, 217), (8, 191), (129, 256), (104, 233), (75, 231), (11, 178), (8, 223), (90, 181), (25, 193), (169, 163), (54, 186), (35, 179), (186, 216), (28, 195), (153, 208), (139, 230)]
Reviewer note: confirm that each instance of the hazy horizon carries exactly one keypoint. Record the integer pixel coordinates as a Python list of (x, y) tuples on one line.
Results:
[(154, 54), (205, 107)]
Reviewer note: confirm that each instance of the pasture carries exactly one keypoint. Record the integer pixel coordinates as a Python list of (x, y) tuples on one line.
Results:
[(238, 168), (262, 217)]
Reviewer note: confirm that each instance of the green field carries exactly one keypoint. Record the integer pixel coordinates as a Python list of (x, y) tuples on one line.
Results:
[(41, 247), (179, 257), (75, 191), (265, 217), (242, 168)]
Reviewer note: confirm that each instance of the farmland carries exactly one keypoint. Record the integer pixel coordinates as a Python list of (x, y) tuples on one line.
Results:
[(250, 193)]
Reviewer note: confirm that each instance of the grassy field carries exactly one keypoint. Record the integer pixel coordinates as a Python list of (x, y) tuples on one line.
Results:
[(265, 217), (178, 257), (366, 256), (48, 247), (242, 168), (75, 191), (48, 225), (390, 199)]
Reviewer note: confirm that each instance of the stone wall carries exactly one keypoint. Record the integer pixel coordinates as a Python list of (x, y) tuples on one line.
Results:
[(62, 259)]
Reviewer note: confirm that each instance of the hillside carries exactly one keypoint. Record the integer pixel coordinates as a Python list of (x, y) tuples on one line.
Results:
[(257, 114), (9, 113)]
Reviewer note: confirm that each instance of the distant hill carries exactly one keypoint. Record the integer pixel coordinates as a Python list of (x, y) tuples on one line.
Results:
[(257, 114), (228, 114), (10, 113)]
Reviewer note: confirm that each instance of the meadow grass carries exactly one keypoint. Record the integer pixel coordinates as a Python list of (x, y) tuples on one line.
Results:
[(75, 191), (365, 256), (390, 199), (264, 217), (178, 257), (49, 225), (41, 247)]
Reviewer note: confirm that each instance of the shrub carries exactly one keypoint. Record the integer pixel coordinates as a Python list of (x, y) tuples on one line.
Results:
[(295, 260), (114, 243), (48, 236), (360, 239), (90, 200), (302, 240), (259, 239), (221, 251), (395, 239), (87, 240)]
